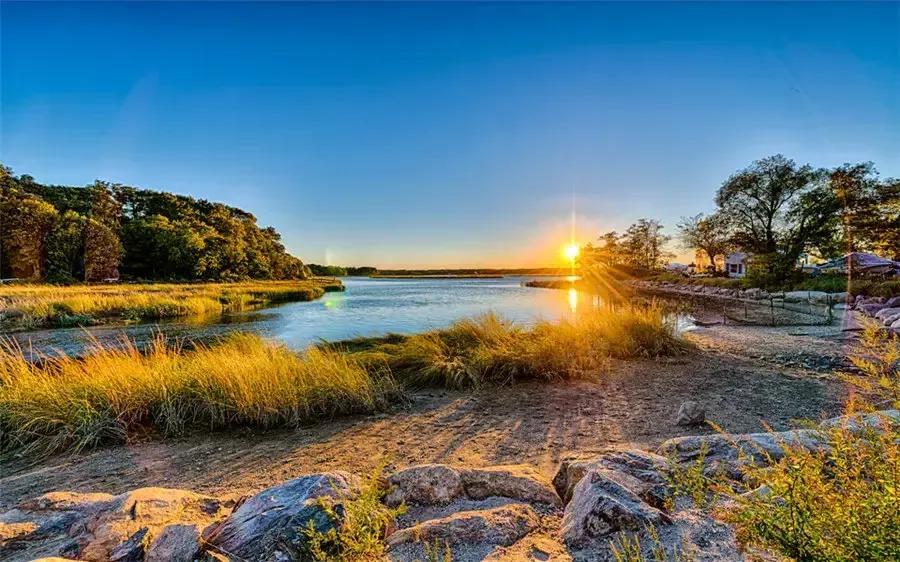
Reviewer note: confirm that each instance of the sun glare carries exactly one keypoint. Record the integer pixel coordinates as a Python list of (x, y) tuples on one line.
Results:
[(571, 252)]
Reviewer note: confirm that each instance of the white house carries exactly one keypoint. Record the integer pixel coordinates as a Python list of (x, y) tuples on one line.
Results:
[(736, 264)]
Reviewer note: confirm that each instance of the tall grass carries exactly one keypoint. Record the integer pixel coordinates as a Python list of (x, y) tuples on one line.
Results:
[(111, 394), (67, 404), (35, 305), (490, 350)]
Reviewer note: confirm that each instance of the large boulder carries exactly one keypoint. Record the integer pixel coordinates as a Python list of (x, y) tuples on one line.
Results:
[(863, 421), (804, 296), (427, 484), (517, 482), (502, 525), (892, 302), (888, 315), (271, 524), (870, 309), (642, 472), (729, 454), (601, 506), (100, 526), (438, 484), (175, 543)]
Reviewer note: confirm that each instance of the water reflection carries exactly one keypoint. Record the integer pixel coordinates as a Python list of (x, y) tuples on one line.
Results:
[(369, 307)]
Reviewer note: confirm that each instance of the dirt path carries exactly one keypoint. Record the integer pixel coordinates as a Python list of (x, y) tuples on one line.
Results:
[(735, 374)]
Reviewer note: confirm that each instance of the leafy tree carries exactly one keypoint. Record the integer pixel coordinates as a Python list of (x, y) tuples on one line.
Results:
[(778, 211), (65, 249), (26, 222), (642, 244), (102, 251), (869, 211), (711, 234)]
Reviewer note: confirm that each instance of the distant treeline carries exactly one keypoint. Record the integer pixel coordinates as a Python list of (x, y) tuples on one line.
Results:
[(477, 271), (341, 271), (65, 234)]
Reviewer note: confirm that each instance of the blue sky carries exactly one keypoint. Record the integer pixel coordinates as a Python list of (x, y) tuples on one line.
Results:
[(444, 134)]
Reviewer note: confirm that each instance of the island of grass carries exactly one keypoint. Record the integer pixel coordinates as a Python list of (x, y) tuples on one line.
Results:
[(29, 306)]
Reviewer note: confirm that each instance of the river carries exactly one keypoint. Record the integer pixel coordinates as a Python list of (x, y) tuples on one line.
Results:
[(368, 307)]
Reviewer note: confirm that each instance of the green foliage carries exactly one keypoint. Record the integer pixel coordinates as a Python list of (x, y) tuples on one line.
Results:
[(327, 270), (142, 234), (689, 480), (839, 504), (358, 528), (436, 551), (629, 547)]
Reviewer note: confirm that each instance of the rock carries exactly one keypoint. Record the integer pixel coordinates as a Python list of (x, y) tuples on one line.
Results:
[(517, 482), (601, 506), (175, 543), (731, 453), (690, 413), (839, 297), (870, 309), (895, 327), (274, 520), (887, 316), (861, 421), (101, 526), (644, 472), (438, 484), (427, 484), (144, 508), (502, 525), (803, 296), (533, 547), (131, 550), (853, 321), (892, 302)]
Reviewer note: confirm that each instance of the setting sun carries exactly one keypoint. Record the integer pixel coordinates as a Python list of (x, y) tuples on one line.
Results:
[(571, 252)]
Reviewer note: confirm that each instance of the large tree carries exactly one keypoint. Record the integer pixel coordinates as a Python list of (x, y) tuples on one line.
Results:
[(778, 210), (643, 244), (869, 210), (710, 234)]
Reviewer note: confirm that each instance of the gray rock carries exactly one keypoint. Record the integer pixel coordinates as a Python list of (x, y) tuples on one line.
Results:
[(132, 550), (601, 506), (175, 543), (870, 309), (274, 520), (861, 421), (729, 454), (642, 472), (690, 413), (892, 302), (502, 525), (427, 484), (803, 296), (517, 482), (888, 315)]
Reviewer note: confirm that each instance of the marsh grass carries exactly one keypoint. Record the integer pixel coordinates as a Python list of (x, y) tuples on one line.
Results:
[(488, 349), (65, 404), (33, 305), (115, 393)]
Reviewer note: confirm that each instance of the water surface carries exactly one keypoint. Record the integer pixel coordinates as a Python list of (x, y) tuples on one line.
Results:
[(368, 307)]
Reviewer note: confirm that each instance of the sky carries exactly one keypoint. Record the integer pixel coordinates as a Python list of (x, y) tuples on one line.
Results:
[(438, 134)]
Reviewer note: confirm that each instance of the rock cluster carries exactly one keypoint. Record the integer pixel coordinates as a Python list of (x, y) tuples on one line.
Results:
[(503, 513)]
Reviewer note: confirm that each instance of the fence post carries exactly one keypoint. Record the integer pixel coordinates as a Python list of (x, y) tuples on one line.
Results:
[(772, 309)]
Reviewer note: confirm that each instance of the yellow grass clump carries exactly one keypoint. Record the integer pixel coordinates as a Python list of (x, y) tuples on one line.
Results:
[(71, 404), (33, 305)]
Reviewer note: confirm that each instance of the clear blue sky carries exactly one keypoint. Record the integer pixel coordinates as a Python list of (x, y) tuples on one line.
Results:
[(444, 134)]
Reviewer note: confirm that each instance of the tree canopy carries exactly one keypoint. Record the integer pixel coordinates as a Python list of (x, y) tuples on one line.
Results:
[(66, 234)]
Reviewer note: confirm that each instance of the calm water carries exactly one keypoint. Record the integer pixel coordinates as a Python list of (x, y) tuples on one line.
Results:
[(368, 307)]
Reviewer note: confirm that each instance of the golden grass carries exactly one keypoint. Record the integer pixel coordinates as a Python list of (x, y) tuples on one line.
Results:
[(70, 404), (111, 394), (490, 350), (33, 305)]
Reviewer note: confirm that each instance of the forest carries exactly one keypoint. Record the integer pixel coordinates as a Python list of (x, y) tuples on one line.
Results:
[(106, 231)]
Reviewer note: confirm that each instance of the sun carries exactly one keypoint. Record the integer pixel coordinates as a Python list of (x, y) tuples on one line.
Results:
[(571, 252)]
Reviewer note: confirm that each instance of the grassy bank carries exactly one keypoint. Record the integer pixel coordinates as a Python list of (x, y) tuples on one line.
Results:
[(33, 305), (111, 395)]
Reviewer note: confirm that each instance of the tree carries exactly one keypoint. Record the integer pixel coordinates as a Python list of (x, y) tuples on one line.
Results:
[(642, 244), (65, 249), (869, 211), (778, 210), (711, 234), (25, 222), (102, 251)]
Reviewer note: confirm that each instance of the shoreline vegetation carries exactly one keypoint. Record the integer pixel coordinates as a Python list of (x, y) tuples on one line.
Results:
[(29, 306), (115, 394)]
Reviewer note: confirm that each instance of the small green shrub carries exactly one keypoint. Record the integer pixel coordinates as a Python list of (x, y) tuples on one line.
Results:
[(689, 480), (629, 547), (360, 527)]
